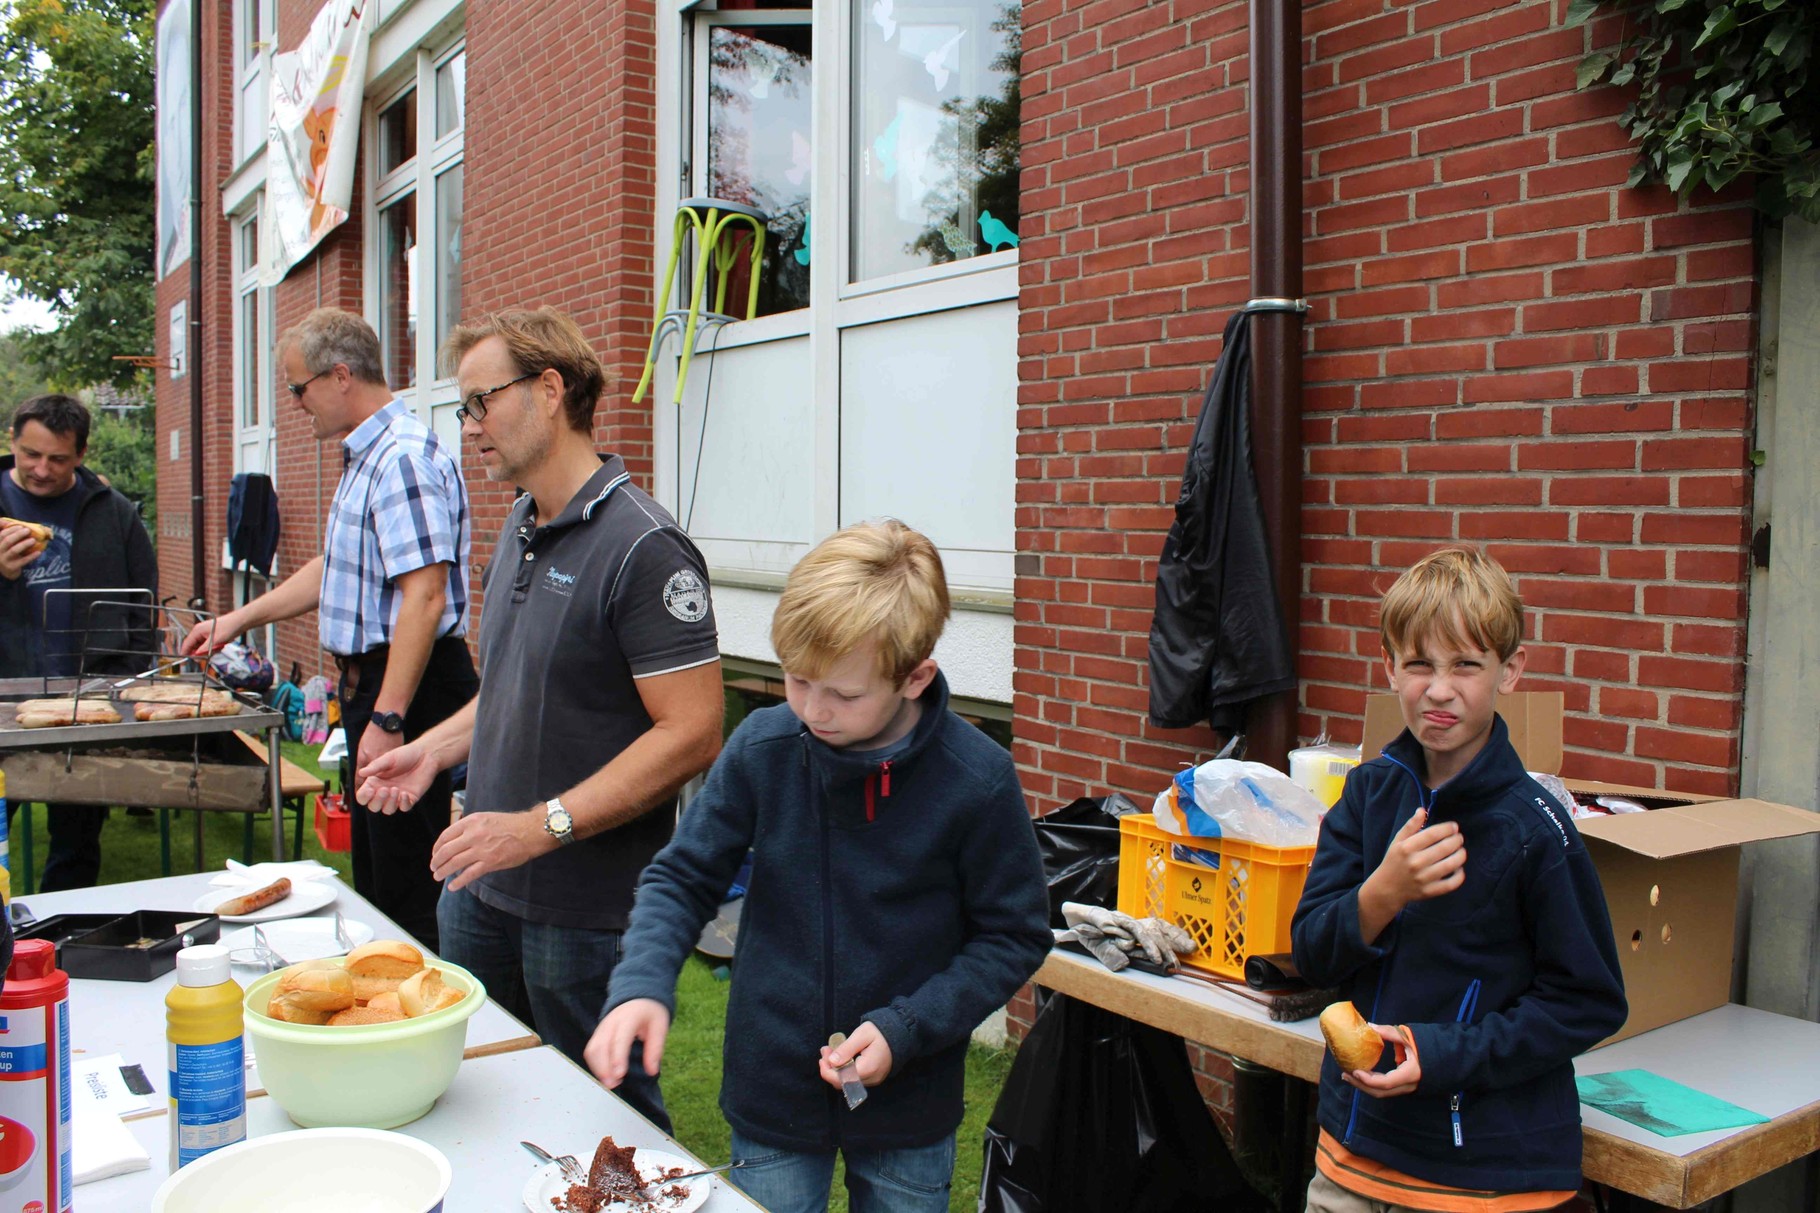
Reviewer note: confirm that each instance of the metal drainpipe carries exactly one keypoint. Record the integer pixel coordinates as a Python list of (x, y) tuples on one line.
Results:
[(1276, 336), (198, 544)]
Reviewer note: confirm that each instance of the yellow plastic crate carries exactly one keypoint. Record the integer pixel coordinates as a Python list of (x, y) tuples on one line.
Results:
[(1240, 909)]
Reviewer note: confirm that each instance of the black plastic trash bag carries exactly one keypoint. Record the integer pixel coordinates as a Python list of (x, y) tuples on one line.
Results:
[(1080, 847), (1102, 1115)]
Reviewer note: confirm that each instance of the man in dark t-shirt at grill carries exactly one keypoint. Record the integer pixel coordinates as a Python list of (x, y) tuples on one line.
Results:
[(600, 693)]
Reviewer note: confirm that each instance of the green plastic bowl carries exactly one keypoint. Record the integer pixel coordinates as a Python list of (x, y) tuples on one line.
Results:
[(366, 1076)]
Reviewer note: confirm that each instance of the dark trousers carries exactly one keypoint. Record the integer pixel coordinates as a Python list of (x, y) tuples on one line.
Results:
[(73, 859), (391, 854)]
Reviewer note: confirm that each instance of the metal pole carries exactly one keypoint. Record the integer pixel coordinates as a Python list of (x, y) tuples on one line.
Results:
[(1276, 336), (274, 762), (194, 357)]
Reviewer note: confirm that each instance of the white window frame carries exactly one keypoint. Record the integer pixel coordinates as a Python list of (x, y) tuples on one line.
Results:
[(415, 179), (835, 303), (259, 344), (251, 75)]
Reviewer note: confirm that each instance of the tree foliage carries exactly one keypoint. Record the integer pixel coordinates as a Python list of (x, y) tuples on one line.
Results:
[(1723, 90), (77, 121)]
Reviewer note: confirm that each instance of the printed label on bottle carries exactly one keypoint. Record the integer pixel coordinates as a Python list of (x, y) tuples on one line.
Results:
[(208, 1091)]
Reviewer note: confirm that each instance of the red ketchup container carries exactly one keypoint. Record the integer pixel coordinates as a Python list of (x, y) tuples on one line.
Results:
[(35, 1169)]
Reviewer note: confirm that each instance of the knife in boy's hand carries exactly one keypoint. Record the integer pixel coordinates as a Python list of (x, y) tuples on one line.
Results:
[(850, 1085)]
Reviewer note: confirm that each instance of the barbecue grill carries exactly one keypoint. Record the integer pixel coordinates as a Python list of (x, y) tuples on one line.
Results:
[(137, 761)]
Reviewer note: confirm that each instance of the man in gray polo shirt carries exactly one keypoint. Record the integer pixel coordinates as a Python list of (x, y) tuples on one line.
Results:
[(600, 693)]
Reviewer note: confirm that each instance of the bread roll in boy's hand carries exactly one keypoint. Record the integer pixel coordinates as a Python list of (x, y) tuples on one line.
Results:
[(1354, 1043)]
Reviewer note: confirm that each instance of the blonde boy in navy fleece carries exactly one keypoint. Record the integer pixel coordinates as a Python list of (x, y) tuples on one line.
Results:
[(896, 893), (1452, 897)]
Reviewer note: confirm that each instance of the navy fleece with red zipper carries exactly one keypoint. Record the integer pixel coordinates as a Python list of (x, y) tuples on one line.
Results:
[(907, 892), (1503, 981)]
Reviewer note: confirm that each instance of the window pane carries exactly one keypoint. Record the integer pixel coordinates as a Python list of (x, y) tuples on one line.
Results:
[(451, 94), (398, 291), (249, 358), (448, 253), (249, 245), (398, 133), (935, 157), (759, 119), (250, 31)]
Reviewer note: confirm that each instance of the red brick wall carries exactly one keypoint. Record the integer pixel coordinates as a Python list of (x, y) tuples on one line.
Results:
[(559, 181), (559, 178), (210, 357), (1506, 347)]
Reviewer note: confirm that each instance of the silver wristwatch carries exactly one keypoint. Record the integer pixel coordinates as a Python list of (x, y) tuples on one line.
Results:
[(557, 823)]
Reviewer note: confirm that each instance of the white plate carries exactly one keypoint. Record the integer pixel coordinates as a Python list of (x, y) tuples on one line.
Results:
[(305, 896), (547, 1184), (301, 938)]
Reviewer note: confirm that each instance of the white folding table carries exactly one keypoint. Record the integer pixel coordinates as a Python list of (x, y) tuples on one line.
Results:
[(509, 1088)]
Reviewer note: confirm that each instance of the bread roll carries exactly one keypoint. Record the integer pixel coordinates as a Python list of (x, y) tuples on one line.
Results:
[(387, 1004), (41, 534), (384, 958), (367, 989), (425, 992), (1355, 1044), (318, 989), (58, 713), (285, 1009), (355, 1016)]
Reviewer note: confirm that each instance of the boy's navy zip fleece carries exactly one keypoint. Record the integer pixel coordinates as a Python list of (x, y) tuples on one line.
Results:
[(1502, 981), (910, 895)]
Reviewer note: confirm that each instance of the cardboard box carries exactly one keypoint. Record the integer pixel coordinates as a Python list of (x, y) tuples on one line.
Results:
[(1670, 875)]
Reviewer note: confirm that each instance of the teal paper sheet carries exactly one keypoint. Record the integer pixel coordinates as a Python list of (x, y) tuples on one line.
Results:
[(1661, 1105)]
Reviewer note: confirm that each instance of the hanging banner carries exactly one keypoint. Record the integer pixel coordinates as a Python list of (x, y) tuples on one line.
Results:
[(312, 135)]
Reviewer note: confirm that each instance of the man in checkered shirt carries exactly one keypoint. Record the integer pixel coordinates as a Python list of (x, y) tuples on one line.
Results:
[(390, 592)]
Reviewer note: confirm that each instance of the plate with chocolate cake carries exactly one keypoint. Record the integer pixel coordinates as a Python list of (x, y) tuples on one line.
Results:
[(621, 1178)]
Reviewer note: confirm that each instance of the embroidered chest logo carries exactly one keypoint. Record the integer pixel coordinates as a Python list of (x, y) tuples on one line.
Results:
[(558, 582), (686, 596)]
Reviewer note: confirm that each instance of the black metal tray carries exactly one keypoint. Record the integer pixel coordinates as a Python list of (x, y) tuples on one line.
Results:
[(99, 946)]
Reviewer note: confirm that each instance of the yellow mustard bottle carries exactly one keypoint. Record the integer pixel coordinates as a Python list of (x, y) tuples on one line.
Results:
[(207, 1055)]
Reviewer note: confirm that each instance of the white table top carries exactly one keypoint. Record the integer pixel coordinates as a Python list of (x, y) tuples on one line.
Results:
[(1758, 1060), (127, 1017), (494, 1102)]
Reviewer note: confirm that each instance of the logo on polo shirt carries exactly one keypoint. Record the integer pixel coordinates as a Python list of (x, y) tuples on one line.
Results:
[(558, 582), (686, 596)]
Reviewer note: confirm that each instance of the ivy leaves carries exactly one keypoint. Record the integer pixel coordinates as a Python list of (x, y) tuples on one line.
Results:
[(1723, 90)]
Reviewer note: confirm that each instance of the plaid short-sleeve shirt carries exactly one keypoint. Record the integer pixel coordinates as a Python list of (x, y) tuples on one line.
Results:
[(401, 504)]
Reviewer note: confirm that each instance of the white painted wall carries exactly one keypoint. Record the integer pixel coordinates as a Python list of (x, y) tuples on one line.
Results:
[(975, 650)]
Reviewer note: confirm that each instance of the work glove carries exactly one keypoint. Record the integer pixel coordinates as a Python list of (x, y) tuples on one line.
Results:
[(1112, 936)]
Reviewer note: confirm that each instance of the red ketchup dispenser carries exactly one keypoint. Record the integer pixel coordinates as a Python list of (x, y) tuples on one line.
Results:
[(35, 1169)]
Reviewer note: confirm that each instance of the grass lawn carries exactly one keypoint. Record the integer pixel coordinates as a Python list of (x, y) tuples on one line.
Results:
[(692, 1086), (129, 851)]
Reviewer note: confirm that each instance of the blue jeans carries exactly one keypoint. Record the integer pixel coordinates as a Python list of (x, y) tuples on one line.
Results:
[(553, 978), (878, 1181)]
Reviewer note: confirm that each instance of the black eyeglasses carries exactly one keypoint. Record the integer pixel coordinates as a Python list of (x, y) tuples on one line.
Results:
[(475, 405), (297, 388)]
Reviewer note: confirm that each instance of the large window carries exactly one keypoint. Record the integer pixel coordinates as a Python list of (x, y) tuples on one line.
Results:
[(253, 336), (756, 144), (417, 142), (253, 33), (935, 133)]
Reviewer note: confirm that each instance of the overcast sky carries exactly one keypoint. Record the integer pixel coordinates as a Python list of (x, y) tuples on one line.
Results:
[(21, 313)]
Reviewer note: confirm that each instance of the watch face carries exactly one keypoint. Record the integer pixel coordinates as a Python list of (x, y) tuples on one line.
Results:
[(558, 822), (389, 722)]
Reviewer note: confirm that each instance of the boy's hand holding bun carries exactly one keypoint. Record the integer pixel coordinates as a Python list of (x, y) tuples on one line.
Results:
[(1423, 861)]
